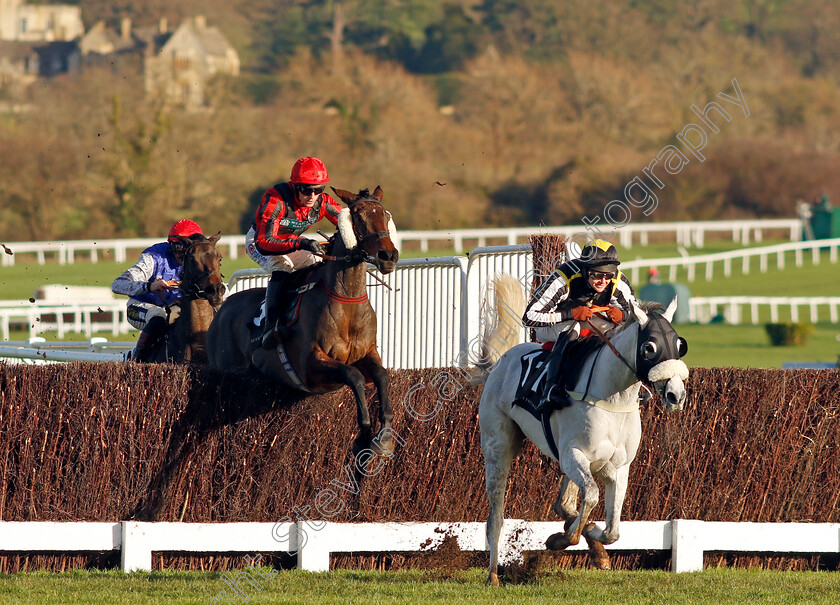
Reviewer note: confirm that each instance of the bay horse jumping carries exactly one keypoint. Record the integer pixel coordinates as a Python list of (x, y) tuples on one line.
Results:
[(597, 436), (202, 291), (333, 342)]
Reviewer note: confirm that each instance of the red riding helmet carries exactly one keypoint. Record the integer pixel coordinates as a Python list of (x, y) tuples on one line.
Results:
[(310, 171), (185, 227)]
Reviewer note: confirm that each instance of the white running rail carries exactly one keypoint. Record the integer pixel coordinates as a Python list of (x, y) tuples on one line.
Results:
[(725, 260), (314, 541), (734, 308), (684, 233), (83, 318)]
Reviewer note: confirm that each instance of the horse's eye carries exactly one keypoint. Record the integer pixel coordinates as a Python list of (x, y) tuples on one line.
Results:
[(682, 346), (649, 350)]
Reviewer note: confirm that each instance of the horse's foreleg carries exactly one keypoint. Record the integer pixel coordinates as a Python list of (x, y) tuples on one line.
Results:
[(371, 367), (565, 506), (500, 443), (576, 467), (614, 492), (325, 370)]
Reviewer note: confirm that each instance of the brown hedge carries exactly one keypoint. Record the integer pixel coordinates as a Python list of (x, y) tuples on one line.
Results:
[(110, 442)]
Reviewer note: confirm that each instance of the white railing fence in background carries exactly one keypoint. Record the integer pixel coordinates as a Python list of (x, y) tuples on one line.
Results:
[(314, 541), (36, 351), (83, 318), (726, 260), (703, 309), (683, 233), (431, 315)]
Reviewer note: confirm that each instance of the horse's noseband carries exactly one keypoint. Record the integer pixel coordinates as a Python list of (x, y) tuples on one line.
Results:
[(658, 342)]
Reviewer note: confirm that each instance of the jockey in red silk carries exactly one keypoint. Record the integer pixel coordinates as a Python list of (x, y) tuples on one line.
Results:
[(567, 297), (149, 285), (275, 239)]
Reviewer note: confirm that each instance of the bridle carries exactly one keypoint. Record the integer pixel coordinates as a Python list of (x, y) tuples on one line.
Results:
[(194, 290), (653, 346), (358, 254)]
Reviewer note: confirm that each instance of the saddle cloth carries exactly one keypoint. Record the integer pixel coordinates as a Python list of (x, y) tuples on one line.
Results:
[(532, 377), (295, 285)]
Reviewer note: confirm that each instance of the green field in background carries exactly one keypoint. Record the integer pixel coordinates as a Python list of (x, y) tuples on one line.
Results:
[(709, 345), (711, 587), (21, 280)]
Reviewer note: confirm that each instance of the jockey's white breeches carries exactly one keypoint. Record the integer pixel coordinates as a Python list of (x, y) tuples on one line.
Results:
[(293, 261), (139, 313), (550, 333)]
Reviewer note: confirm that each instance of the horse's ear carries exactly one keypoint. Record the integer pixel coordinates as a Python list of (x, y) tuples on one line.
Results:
[(641, 316), (669, 312), (377, 193), (345, 195), (215, 238)]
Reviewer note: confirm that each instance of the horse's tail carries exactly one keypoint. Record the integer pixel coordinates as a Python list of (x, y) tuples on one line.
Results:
[(502, 321)]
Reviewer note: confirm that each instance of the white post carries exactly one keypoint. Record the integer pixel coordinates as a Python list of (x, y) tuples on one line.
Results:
[(136, 553), (686, 546), (314, 554)]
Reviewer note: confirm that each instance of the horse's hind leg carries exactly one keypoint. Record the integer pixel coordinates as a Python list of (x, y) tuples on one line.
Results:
[(371, 367), (501, 441)]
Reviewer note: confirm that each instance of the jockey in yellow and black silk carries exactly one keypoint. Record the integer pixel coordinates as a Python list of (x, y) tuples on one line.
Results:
[(275, 240), (567, 298)]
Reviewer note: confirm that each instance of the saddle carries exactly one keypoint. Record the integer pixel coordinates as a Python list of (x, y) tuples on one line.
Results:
[(532, 380), (533, 375), (294, 286)]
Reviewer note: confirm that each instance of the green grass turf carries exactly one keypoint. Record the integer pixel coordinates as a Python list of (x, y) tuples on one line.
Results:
[(710, 587)]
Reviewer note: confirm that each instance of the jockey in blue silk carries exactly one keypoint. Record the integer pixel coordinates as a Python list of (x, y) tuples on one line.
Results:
[(576, 291), (150, 283)]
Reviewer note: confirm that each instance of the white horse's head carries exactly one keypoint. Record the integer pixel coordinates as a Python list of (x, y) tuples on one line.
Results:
[(658, 356)]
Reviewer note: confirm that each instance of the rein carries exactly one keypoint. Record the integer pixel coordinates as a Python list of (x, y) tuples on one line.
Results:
[(603, 337), (358, 254)]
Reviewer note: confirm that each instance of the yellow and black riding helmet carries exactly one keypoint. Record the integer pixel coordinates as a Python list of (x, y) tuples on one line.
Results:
[(600, 255)]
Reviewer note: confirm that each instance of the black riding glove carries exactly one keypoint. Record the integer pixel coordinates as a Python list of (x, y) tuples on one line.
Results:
[(311, 245)]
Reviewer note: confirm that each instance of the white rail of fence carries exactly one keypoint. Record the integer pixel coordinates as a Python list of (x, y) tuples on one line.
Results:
[(83, 318), (431, 315), (36, 351), (314, 541), (684, 233), (734, 308), (727, 259)]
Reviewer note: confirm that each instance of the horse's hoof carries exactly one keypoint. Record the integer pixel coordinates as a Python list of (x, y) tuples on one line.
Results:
[(360, 445), (383, 449), (557, 541), (598, 557), (492, 579)]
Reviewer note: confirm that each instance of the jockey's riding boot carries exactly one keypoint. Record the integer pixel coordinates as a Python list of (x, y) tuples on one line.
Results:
[(148, 339), (273, 293), (554, 392)]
